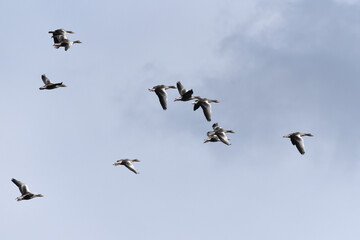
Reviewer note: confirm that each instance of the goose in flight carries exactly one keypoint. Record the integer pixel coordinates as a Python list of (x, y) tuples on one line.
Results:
[(204, 103), (25, 192), (49, 85), (59, 35), (160, 91), (127, 163), (218, 134), (297, 140), (185, 95), (66, 43), (211, 137)]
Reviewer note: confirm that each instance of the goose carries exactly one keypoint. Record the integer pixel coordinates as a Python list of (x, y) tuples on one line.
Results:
[(218, 134), (297, 140), (127, 163), (25, 192), (204, 103), (66, 43), (60, 34), (211, 137), (185, 95), (161, 93), (49, 85)]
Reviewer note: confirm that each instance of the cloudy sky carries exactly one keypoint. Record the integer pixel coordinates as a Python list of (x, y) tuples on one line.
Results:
[(275, 66)]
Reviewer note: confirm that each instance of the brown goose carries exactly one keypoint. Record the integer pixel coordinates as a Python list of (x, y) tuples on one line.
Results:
[(25, 192), (127, 163), (218, 134), (59, 35), (185, 95), (161, 93), (49, 85), (204, 103), (297, 140), (66, 43)]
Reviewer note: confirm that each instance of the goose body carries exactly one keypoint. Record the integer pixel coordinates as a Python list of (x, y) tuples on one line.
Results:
[(185, 95), (24, 190), (218, 134), (127, 163), (66, 43), (204, 103), (160, 91), (49, 85), (60, 35), (297, 140)]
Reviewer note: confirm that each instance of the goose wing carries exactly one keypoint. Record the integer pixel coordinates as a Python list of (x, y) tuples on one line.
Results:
[(45, 79), (161, 93), (196, 105), (299, 143), (206, 107), (59, 38), (66, 45), (222, 136), (180, 88), (24, 189), (131, 167), (187, 94)]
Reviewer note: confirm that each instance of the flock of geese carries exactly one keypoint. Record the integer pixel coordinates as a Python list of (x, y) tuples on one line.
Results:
[(218, 134)]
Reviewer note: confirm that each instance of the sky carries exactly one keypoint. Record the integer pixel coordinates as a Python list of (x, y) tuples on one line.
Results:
[(276, 67)]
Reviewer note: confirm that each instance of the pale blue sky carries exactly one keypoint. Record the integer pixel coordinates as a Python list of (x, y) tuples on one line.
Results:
[(275, 66)]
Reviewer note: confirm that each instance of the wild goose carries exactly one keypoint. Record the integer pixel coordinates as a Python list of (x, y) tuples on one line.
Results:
[(221, 133), (49, 85), (297, 140), (211, 137), (59, 35), (185, 95), (66, 43), (127, 163), (161, 93), (25, 192), (204, 103)]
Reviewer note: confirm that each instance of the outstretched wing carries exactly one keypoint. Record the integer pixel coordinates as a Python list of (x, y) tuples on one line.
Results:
[(45, 79), (131, 167), (67, 46), (222, 136), (299, 143), (206, 107), (187, 95), (161, 93), (22, 187), (197, 105), (180, 88)]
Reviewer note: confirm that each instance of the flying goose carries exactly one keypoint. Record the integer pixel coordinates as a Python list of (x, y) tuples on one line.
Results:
[(296, 139), (185, 95), (161, 93), (127, 163), (66, 43), (218, 134), (204, 103), (49, 85), (25, 192), (59, 35), (211, 137)]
